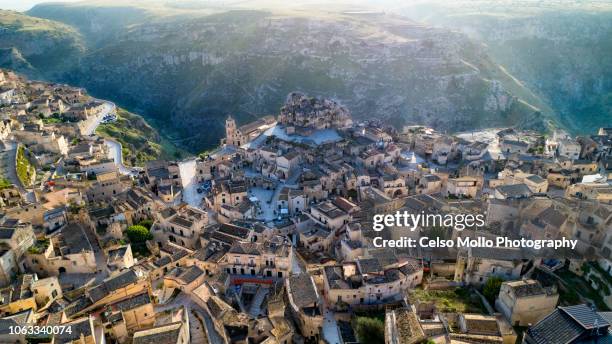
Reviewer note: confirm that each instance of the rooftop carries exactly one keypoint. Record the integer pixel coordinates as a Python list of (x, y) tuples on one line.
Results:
[(303, 291), (133, 302), (73, 240), (567, 324), (526, 288), (165, 334), (514, 191)]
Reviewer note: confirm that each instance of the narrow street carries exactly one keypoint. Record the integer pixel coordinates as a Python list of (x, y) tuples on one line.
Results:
[(196, 331), (214, 336), (98, 253), (331, 333), (190, 183), (195, 328), (296, 267)]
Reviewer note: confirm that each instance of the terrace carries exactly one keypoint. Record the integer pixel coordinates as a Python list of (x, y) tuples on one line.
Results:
[(457, 300)]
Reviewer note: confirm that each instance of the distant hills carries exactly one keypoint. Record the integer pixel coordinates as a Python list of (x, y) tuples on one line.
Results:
[(561, 50), (34, 45), (185, 66)]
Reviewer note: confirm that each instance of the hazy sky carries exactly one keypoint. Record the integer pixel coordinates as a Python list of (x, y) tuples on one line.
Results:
[(24, 5)]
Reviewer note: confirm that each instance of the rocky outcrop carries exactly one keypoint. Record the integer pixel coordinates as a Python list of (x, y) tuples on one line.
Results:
[(315, 113), (186, 73), (35, 46), (559, 50)]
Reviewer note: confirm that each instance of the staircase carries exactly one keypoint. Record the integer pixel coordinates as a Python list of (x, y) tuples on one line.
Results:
[(258, 299), (165, 295)]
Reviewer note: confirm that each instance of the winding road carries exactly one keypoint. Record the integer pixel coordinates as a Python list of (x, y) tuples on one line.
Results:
[(115, 152), (187, 167), (114, 147), (7, 165)]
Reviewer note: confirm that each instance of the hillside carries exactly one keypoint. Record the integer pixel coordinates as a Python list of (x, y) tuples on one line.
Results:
[(559, 50), (139, 141), (190, 76), (36, 46), (186, 67)]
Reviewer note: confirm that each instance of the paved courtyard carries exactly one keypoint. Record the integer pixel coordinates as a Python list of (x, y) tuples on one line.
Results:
[(190, 184)]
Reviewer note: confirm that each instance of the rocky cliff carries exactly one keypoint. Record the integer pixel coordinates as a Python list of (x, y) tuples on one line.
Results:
[(33, 45), (187, 69), (559, 50)]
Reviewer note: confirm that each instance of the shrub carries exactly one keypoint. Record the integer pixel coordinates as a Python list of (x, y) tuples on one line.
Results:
[(370, 330), (491, 288), (138, 234), (5, 183), (146, 223)]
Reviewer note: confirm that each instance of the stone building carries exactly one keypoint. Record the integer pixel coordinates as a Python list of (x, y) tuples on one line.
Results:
[(526, 302)]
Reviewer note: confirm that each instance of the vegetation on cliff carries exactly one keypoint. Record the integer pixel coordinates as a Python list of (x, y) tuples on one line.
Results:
[(25, 170), (185, 67), (37, 46), (140, 142)]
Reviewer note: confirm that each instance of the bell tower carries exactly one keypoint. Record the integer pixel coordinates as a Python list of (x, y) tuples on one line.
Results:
[(230, 130)]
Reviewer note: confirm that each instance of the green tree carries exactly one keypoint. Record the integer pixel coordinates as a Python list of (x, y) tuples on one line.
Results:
[(491, 288), (146, 223), (4, 183), (370, 330), (138, 234), (352, 194)]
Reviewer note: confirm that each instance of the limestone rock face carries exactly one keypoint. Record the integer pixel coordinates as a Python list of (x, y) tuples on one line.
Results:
[(186, 73), (315, 113)]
